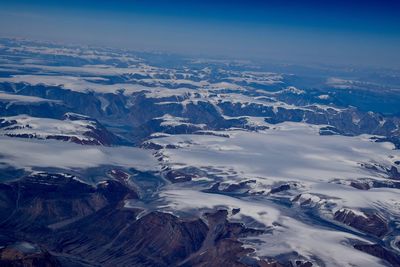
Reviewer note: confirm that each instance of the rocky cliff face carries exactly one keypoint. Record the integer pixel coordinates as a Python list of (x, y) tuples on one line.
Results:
[(369, 223), (78, 223)]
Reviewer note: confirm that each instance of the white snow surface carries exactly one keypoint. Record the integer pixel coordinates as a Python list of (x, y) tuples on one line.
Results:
[(32, 153), (43, 127), (332, 247), (286, 151), (290, 152), (13, 98)]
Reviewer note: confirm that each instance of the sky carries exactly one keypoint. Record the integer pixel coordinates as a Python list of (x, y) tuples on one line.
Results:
[(365, 33)]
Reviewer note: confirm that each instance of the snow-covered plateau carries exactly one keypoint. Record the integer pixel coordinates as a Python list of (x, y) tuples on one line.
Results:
[(111, 157)]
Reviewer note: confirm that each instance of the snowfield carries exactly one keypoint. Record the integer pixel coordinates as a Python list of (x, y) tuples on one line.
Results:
[(287, 153), (35, 154), (288, 235), (43, 127), (284, 152), (307, 169)]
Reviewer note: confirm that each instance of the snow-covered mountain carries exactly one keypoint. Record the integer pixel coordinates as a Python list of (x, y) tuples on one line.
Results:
[(73, 128), (112, 157)]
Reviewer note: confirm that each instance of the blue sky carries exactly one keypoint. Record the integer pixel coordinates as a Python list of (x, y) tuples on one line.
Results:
[(332, 32)]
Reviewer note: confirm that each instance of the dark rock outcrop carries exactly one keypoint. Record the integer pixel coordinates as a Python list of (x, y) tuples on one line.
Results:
[(368, 223), (24, 254), (380, 252), (87, 225)]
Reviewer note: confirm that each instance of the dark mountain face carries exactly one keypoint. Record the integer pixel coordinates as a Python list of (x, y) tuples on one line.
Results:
[(75, 223), (117, 158)]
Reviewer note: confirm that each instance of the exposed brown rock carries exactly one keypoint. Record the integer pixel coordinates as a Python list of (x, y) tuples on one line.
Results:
[(370, 223), (18, 256), (79, 223)]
